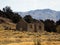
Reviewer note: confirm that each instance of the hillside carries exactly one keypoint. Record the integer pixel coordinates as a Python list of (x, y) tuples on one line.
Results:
[(6, 23), (12, 37), (43, 14)]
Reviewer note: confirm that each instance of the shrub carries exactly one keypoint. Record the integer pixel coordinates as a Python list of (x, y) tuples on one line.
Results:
[(37, 42)]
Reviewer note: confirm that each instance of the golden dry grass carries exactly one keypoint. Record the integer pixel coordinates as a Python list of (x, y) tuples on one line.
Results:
[(10, 37)]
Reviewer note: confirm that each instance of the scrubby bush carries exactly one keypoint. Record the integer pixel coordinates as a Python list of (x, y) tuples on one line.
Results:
[(50, 25), (58, 28), (28, 18), (8, 13)]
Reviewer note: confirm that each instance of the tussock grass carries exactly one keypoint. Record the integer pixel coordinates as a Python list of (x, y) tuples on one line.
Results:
[(11, 37)]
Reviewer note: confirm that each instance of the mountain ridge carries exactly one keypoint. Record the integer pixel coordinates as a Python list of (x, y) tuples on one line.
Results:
[(42, 14)]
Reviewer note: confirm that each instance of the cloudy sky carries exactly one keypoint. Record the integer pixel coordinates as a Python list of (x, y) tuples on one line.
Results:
[(26, 5)]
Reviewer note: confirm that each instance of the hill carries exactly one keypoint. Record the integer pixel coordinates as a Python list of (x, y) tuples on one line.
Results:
[(6, 24), (42, 14)]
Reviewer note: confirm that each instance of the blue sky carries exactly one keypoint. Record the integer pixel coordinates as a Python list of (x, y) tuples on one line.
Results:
[(27, 5)]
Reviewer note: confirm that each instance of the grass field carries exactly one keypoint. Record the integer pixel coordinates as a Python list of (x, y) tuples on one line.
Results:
[(10, 37)]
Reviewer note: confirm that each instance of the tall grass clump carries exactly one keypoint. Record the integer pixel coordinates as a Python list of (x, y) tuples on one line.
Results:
[(37, 42)]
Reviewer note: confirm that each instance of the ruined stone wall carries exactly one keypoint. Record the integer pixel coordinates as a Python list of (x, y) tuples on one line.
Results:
[(22, 26), (30, 27)]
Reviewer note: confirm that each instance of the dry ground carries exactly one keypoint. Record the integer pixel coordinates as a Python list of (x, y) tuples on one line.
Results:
[(10, 37)]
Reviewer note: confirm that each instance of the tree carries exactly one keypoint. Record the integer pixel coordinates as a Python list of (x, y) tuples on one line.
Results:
[(41, 20), (58, 22), (7, 9), (8, 12), (2, 14), (28, 18), (15, 17), (50, 25), (58, 26)]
